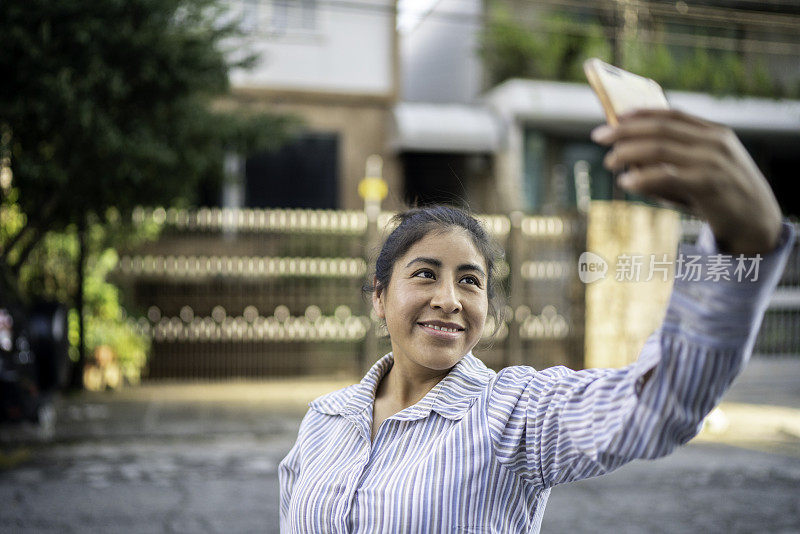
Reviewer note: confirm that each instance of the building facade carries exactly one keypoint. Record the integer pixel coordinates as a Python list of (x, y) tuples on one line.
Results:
[(535, 132), (333, 65)]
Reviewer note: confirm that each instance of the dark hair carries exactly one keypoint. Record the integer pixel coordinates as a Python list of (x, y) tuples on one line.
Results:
[(415, 223)]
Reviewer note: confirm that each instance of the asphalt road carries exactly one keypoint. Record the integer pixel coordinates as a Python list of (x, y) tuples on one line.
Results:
[(203, 458), (229, 484)]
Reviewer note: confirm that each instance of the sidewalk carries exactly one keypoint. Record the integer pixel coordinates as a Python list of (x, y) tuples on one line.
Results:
[(180, 410), (761, 411)]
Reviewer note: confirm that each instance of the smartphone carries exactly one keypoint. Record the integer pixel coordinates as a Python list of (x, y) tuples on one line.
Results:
[(621, 91)]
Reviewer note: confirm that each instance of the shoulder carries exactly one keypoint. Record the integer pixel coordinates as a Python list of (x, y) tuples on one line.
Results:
[(523, 374), (522, 380)]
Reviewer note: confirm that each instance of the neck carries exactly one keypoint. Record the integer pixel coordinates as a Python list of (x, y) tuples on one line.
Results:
[(406, 383)]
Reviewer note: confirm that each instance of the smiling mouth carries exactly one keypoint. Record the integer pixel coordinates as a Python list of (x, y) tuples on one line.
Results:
[(452, 329)]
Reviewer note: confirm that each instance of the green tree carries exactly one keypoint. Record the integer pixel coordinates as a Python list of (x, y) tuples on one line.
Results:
[(552, 49), (109, 103), (51, 273), (555, 45)]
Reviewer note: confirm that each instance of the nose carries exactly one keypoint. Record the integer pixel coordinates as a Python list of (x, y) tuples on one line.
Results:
[(445, 297)]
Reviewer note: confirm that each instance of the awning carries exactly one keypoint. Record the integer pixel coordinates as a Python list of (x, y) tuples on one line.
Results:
[(574, 107), (444, 128)]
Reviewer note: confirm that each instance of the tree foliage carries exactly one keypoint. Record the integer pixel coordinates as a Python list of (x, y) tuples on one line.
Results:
[(511, 49), (108, 103), (555, 45), (51, 274)]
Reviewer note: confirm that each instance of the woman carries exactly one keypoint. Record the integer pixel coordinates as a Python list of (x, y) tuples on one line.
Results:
[(431, 440)]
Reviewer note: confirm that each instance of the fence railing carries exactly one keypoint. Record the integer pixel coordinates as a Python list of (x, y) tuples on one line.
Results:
[(780, 329), (257, 293)]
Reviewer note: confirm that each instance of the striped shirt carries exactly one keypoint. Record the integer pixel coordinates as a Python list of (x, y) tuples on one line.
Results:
[(480, 452)]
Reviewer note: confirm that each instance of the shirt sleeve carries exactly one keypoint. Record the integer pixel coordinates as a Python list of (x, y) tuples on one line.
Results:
[(560, 425), (288, 472)]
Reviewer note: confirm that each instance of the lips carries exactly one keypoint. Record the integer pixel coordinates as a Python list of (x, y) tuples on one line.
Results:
[(441, 326)]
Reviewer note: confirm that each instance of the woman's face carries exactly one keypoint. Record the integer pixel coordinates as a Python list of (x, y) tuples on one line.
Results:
[(436, 303)]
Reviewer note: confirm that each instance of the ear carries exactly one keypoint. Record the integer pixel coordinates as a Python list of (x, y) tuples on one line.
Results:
[(377, 299)]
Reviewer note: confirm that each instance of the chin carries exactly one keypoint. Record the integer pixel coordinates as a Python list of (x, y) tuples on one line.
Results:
[(442, 363)]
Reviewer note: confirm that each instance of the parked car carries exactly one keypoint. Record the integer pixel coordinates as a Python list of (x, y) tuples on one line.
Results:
[(34, 360)]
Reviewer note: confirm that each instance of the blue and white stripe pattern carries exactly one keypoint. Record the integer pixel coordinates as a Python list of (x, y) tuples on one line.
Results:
[(480, 452)]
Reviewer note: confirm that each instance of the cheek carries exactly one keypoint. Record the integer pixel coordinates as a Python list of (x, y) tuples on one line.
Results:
[(398, 305), (479, 311), (483, 314), (482, 306)]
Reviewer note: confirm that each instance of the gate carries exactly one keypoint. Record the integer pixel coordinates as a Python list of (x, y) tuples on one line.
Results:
[(259, 293), (263, 293)]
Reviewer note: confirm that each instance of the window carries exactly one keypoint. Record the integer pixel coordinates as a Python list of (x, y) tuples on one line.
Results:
[(553, 166), (301, 174), (279, 16)]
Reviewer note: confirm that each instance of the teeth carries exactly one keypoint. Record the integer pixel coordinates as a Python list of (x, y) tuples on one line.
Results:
[(443, 329)]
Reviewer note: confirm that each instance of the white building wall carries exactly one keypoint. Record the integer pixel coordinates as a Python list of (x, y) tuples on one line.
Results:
[(319, 46), (439, 56)]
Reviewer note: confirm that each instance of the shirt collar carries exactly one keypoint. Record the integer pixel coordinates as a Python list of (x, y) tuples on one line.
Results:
[(450, 398)]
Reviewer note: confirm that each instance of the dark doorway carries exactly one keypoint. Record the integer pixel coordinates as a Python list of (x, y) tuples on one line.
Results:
[(433, 178), (301, 174), (778, 159)]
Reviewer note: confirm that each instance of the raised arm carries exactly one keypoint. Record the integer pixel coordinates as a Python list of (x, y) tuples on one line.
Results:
[(559, 425)]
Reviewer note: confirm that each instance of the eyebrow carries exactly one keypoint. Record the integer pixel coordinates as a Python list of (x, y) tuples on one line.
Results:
[(438, 263)]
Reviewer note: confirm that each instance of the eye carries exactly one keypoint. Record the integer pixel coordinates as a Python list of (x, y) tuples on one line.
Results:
[(425, 273), (472, 280)]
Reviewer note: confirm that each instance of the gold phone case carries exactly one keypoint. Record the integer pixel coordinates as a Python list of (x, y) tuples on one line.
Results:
[(621, 91)]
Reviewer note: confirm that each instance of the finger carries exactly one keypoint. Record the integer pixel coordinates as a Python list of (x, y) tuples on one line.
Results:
[(657, 127), (648, 152), (663, 181), (666, 115)]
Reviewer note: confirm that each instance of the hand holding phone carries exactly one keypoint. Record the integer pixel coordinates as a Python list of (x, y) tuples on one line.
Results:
[(677, 157), (620, 92)]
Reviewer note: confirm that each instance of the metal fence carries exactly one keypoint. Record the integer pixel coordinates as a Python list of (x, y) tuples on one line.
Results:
[(253, 293), (259, 293), (779, 334), (780, 329)]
